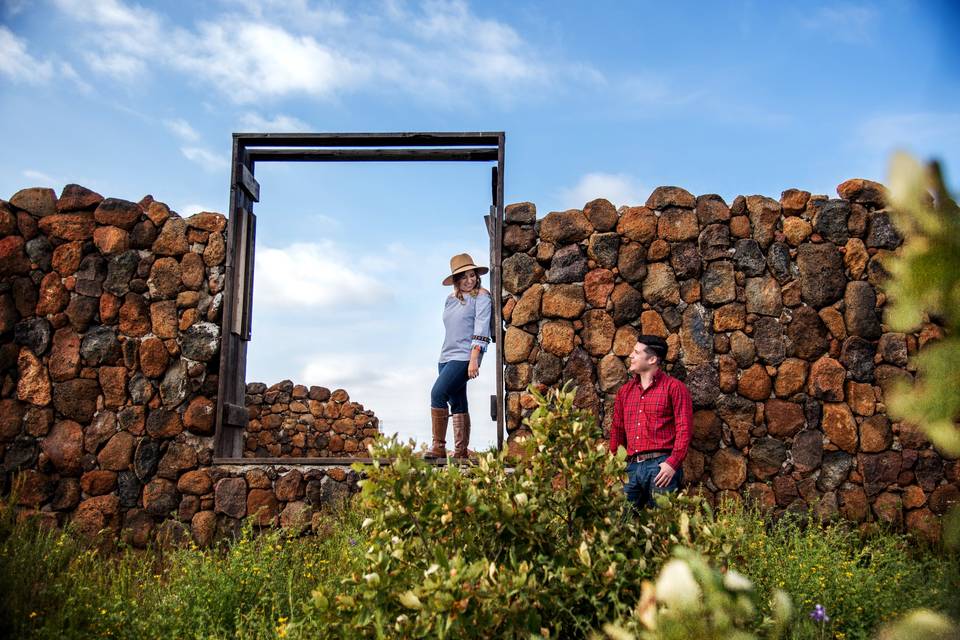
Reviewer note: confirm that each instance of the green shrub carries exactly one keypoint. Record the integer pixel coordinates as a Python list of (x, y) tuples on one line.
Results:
[(546, 548)]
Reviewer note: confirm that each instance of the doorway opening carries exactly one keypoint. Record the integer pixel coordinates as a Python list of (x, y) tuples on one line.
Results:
[(236, 324)]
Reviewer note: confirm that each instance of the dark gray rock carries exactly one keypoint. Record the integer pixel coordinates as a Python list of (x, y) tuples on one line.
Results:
[(175, 384), (822, 280), (569, 264), (40, 252), (201, 341), (879, 470), (748, 257), (140, 388), (704, 384), (830, 221), (768, 340), (714, 242), (778, 258), (34, 334), (882, 234), (90, 275), (128, 488), (100, 346), (807, 450), (120, 271), (146, 458), (834, 470), (604, 248), (767, 455), (860, 313), (857, 358), (22, 454), (547, 368), (519, 272), (685, 260)]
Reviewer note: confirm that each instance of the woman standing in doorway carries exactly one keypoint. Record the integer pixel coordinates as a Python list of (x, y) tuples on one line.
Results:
[(466, 321)]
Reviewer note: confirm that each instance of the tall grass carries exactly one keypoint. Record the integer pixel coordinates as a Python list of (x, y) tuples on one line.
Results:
[(55, 585), (862, 580)]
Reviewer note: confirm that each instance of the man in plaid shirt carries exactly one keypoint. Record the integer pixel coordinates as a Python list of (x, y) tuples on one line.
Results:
[(652, 420)]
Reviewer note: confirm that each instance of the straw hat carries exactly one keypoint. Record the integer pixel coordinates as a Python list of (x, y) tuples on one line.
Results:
[(460, 263)]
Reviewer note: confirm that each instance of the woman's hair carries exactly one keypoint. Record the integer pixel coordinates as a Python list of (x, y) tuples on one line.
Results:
[(456, 285)]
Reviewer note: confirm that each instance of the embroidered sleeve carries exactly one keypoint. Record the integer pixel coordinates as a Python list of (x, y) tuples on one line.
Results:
[(481, 322)]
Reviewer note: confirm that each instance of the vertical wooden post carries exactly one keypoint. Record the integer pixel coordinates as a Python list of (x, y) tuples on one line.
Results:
[(496, 288), (237, 307)]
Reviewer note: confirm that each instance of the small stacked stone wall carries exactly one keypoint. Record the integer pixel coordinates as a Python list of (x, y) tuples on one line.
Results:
[(291, 421), (772, 310), (110, 316)]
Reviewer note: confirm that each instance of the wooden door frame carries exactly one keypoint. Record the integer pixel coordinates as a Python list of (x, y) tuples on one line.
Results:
[(237, 308)]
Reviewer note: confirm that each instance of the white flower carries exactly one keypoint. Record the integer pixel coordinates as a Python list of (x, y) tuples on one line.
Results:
[(676, 586), (736, 581)]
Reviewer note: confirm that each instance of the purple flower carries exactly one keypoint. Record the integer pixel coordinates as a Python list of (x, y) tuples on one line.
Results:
[(819, 614), (353, 543)]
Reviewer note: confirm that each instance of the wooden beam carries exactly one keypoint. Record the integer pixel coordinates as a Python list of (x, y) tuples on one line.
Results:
[(409, 139), (373, 155)]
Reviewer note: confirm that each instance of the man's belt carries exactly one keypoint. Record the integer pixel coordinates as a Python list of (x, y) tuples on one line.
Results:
[(647, 455)]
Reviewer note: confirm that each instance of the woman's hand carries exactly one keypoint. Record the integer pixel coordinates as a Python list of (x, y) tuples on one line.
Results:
[(473, 369)]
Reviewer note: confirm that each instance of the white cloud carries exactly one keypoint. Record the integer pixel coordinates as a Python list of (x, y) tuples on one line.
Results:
[(653, 89), (190, 209), (398, 392), (849, 23), (182, 129), (254, 122), (313, 275), (17, 64), (927, 131), (618, 188), (263, 49), (39, 176), (207, 159), (14, 7), (118, 65), (272, 61)]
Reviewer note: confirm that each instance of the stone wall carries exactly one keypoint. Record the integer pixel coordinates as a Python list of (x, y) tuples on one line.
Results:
[(772, 310), (109, 352), (109, 343), (292, 421)]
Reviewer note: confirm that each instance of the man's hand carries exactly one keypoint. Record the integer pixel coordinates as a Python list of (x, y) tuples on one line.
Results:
[(665, 476)]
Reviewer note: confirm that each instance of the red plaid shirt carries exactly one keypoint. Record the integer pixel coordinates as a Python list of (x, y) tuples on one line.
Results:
[(658, 417)]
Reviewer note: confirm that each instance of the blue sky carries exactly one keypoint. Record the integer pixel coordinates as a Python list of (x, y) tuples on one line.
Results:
[(598, 99)]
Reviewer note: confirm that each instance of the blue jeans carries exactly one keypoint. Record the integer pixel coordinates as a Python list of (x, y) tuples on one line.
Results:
[(451, 386), (640, 487)]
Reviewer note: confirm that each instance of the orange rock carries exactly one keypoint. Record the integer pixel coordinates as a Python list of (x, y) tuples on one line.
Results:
[(556, 337), (111, 240), (839, 426), (755, 383)]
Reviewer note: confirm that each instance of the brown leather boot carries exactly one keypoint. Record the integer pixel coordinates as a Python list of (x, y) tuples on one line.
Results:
[(438, 420), (461, 435)]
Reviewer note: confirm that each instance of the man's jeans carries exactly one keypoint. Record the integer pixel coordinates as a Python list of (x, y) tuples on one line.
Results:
[(640, 488)]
